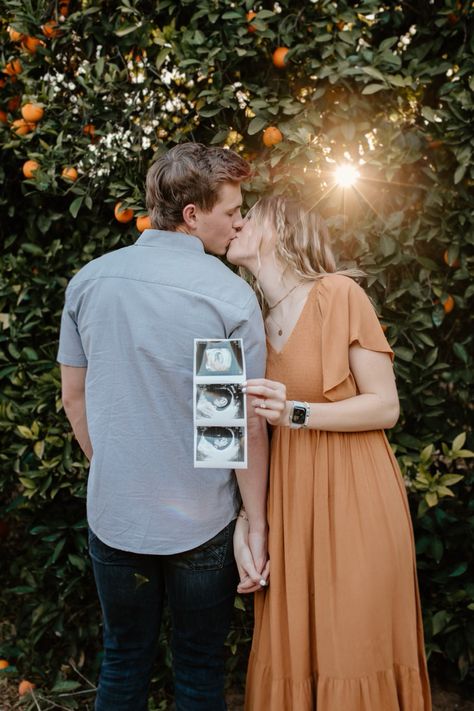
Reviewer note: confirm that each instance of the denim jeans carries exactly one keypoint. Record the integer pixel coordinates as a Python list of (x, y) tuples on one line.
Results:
[(200, 587)]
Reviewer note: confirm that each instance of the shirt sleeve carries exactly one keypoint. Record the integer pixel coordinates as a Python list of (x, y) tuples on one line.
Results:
[(252, 332), (71, 351), (347, 317)]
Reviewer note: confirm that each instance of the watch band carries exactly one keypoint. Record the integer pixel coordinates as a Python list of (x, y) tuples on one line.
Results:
[(299, 415)]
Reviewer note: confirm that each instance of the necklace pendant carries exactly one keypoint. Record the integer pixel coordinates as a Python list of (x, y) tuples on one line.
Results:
[(280, 332)]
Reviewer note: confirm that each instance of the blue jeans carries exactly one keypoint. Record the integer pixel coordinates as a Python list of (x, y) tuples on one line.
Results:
[(200, 586)]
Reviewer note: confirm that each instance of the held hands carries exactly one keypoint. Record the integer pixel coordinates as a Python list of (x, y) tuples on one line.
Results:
[(270, 400), (250, 550)]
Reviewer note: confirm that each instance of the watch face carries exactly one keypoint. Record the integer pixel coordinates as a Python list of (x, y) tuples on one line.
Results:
[(298, 416)]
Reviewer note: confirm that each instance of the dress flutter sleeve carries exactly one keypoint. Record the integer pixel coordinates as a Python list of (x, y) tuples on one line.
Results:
[(347, 317)]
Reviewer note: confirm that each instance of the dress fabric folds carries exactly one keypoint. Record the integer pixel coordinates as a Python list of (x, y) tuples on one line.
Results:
[(339, 628)]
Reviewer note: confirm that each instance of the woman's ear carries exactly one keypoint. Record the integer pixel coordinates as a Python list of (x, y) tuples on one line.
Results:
[(190, 216)]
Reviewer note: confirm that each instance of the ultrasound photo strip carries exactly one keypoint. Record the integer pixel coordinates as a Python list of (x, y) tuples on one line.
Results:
[(220, 404), (219, 360), (220, 416)]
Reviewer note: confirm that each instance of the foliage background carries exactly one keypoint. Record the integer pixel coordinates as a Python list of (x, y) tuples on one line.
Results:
[(385, 86)]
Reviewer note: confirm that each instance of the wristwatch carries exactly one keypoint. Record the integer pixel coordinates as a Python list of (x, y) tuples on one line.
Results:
[(299, 415)]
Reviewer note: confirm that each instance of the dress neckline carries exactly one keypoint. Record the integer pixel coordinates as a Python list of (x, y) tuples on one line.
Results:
[(298, 321)]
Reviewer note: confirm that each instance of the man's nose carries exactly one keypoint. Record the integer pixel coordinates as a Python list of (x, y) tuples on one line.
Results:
[(238, 222)]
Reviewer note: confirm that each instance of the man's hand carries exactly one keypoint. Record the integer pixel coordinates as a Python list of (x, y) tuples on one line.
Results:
[(250, 550)]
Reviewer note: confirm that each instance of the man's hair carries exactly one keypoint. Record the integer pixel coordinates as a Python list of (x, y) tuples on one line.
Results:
[(189, 173)]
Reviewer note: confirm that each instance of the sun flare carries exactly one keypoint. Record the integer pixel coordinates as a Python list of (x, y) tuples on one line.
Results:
[(346, 175)]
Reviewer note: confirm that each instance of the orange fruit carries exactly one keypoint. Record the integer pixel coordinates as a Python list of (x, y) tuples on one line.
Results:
[(448, 304), (12, 68), (64, 9), (32, 112), (123, 214), (89, 130), (29, 168), (454, 264), (272, 135), (278, 57), (15, 36), (143, 223), (22, 127), (3, 117), (31, 44), (250, 15), (51, 29), (25, 687), (4, 664), (69, 173)]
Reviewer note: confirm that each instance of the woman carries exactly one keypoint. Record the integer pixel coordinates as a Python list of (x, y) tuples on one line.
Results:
[(339, 627)]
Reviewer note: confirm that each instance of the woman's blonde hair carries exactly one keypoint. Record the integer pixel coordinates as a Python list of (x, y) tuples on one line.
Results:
[(302, 239)]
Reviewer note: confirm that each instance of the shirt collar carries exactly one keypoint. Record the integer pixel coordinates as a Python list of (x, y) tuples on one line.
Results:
[(176, 240)]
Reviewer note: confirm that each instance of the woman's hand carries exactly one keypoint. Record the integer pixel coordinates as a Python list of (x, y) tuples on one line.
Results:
[(270, 400), (253, 574)]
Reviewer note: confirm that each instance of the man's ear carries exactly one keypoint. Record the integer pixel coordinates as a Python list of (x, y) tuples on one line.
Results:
[(190, 216)]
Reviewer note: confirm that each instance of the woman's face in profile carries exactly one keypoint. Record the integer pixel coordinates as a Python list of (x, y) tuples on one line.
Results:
[(251, 242)]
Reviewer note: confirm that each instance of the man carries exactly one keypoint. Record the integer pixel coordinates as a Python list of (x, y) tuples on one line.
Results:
[(157, 524)]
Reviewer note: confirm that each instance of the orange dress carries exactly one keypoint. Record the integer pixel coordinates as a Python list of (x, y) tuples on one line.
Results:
[(339, 628)]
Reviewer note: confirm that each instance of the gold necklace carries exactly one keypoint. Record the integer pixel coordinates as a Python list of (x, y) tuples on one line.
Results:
[(280, 330), (270, 308)]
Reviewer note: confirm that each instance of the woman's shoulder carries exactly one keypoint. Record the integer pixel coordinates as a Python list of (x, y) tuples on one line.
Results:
[(339, 283)]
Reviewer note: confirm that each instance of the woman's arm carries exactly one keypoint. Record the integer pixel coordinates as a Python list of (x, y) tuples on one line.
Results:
[(376, 407), (252, 484)]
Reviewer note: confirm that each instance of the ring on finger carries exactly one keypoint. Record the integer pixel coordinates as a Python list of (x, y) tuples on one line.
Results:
[(263, 405)]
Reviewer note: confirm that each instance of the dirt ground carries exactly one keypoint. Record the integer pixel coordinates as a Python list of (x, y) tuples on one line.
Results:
[(443, 700)]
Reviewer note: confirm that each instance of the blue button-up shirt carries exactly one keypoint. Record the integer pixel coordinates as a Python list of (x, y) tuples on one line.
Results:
[(131, 318)]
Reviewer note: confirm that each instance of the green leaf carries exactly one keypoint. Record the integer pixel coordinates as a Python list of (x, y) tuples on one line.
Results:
[(426, 453), (238, 603), (57, 549), (374, 73), (404, 353), (459, 441), (65, 686), (75, 206), (126, 30), (444, 491), (38, 449), (162, 56), (373, 88), (77, 561), (256, 125), (458, 570), (439, 621), (460, 173), (461, 352), (450, 479)]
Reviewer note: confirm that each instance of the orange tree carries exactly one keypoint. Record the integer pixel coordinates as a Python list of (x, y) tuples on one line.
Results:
[(90, 93)]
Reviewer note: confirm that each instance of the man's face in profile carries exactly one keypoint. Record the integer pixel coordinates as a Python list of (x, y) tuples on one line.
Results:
[(217, 228)]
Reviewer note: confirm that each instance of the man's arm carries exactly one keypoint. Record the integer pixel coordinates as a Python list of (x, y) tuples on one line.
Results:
[(73, 382)]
